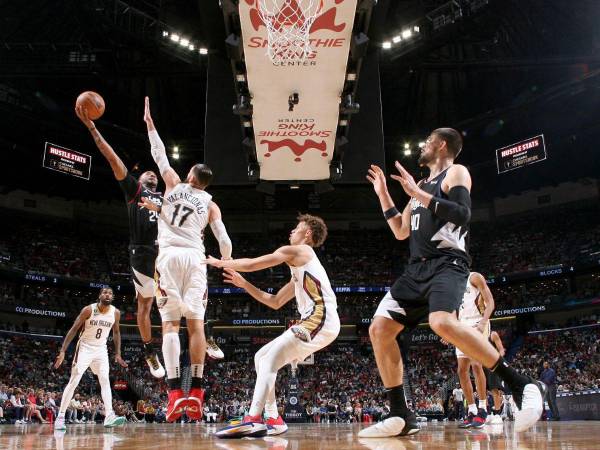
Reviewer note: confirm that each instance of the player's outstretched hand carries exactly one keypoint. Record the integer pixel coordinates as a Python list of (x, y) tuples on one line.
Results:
[(147, 115), (83, 116), (146, 203), (230, 276), (59, 360), (377, 179), (120, 361), (212, 261), (406, 180)]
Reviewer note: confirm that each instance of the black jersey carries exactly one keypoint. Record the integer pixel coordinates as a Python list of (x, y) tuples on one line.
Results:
[(432, 236), (143, 223)]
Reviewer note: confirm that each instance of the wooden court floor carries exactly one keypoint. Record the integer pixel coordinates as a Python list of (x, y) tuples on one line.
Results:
[(546, 436)]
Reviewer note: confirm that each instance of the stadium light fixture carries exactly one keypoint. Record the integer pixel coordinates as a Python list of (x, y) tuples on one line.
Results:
[(406, 146), (396, 39), (191, 47), (203, 51), (406, 34), (165, 33), (175, 37), (421, 144), (407, 152), (184, 42), (386, 45), (175, 155)]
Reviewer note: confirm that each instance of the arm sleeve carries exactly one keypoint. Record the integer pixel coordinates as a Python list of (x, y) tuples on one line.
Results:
[(130, 187), (218, 229), (457, 209), (157, 148)]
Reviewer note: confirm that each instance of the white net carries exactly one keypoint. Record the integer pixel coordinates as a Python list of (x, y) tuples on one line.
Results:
[(288, 25)]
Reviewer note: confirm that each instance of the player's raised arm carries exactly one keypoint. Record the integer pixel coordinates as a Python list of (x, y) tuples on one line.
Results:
[(218, 228), (117, 339), (116, 164), (285, 254), (157, 148), (479, 282), (398, 222), (274, 301), (84, 315)]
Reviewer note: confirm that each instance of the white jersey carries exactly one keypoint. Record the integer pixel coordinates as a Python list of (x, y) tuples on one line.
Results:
[(314, 295), (97, 328), (184, 216), (473, 306)]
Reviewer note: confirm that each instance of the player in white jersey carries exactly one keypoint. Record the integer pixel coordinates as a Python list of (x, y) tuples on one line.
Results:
[(318, 327), (180, 279), (475, 310), (95, 323)]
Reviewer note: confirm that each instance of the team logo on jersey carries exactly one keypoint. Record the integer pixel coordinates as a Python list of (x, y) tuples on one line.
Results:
[(161, 302), (301, 333)]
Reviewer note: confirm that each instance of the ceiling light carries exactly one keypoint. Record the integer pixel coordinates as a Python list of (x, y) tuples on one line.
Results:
[(387, 45), (396, 39), (203, 51), (175, 37), (406, 34)]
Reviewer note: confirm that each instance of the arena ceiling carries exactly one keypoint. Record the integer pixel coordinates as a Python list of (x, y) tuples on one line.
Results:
[(510, 70)]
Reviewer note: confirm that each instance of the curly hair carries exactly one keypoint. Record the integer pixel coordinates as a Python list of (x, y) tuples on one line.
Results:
[(317, 227)]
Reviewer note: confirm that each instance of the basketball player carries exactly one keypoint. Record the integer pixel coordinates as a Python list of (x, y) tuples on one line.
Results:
[(94, 323), (475, 311), (436, 221), (181, 289), (319, 325), (143, 248), (143, 230)]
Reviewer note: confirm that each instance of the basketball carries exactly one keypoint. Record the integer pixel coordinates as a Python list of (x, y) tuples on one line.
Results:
[(92, 102)]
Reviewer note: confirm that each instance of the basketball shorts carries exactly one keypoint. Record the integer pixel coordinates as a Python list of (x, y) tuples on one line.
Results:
[(472, 323), (93, 356), (142, 259), (493, 381), (425, 287), (180, 283), (296, 347)]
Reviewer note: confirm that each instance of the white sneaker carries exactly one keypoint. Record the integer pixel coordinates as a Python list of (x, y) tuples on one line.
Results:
[(113, 420), (390, 427), (532, 406), (59, 424), (213, 350), (156, 368)]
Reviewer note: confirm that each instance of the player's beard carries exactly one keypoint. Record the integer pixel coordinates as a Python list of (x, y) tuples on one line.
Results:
[(105, 302), (150, 186)]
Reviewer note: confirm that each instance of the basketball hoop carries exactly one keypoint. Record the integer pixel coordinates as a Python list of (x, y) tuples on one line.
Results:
[(288, 25)]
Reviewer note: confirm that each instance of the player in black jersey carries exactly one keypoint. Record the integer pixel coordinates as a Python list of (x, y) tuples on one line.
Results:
[(436, 222), (143, 229)]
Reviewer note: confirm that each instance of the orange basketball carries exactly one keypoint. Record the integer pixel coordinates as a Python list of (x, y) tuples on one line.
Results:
[(92, 102)]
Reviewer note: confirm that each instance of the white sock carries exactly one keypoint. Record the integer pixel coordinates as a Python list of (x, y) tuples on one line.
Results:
[(483, 404), (473, 409), (197, 370), (171, 348)]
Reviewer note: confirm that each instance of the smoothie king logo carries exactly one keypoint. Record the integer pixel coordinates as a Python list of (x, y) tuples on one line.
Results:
[(292, 129), (290, 8)]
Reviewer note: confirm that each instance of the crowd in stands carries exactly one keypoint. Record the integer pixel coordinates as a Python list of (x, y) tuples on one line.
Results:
[(30, 389), (365, 257)]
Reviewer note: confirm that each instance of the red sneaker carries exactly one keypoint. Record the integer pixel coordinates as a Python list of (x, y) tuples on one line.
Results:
[(195, 403), (253, 419), (177, 401), (275, 426)]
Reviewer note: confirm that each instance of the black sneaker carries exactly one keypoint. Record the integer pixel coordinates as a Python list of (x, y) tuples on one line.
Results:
[(411, 425)]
